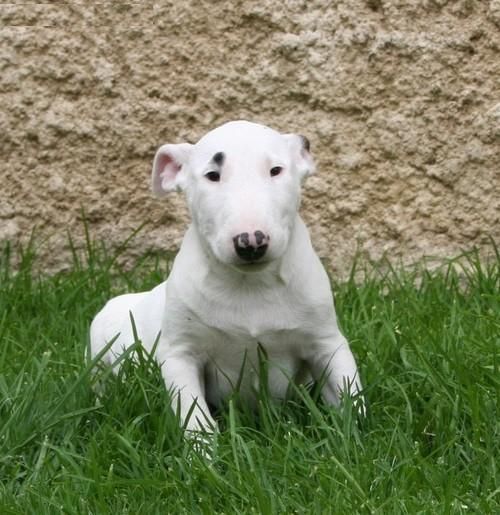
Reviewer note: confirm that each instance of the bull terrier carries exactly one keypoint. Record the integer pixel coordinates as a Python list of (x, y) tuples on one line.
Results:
[(246, 280)]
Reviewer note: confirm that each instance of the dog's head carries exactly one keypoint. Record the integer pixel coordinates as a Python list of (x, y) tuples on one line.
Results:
[(242, 182)]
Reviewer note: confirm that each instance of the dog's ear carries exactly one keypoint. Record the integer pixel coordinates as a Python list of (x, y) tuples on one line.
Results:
[(167, 168), (301, 154)]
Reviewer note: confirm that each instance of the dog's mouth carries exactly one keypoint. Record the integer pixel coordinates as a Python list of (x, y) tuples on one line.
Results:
[(252, 266)]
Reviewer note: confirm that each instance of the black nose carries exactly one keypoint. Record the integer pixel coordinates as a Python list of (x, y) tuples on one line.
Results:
[(251, 247)]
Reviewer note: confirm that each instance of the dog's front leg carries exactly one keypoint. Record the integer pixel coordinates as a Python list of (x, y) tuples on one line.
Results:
[(334, 367), (183, 376)]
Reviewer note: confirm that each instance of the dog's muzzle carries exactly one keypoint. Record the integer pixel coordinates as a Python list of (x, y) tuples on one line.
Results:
[(251, 247)]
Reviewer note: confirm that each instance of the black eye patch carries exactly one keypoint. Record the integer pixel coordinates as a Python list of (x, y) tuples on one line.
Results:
[(218, 158)]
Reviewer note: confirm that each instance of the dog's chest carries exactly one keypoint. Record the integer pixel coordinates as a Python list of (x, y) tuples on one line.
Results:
[(255, 311), (248, 333), (251, 343), (246, 364)]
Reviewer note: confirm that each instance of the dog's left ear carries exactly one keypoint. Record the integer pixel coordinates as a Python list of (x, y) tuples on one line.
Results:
[(301, 154), (168, 168)]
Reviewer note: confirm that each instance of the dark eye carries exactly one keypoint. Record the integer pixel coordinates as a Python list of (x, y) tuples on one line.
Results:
[(213, 176), (275, 170)]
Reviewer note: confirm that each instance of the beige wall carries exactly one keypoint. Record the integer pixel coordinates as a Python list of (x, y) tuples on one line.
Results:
[(400, 99)]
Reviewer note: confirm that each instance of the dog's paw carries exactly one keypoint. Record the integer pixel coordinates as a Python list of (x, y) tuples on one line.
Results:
[(203, 443), (359, 406)]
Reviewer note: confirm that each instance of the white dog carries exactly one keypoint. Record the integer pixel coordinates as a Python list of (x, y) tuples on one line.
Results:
[(246, 278)]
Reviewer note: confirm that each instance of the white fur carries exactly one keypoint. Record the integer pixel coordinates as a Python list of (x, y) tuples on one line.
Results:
[(214, 310)]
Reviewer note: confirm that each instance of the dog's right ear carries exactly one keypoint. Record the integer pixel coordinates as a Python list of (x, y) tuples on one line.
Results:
[(301, 154), (168, 168)]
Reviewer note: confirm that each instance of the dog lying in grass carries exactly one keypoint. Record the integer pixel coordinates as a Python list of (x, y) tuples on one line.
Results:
[(245, 281)]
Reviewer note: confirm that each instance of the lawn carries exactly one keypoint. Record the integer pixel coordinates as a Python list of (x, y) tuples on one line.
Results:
[(427, 341)]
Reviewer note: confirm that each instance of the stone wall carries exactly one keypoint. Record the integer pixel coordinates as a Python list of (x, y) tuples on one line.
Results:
[(400, 100)]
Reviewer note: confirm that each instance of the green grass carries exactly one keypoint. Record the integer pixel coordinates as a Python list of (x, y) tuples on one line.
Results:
[(428, 346)]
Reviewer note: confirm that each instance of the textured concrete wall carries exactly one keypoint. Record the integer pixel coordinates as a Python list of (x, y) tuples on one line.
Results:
[(401, 102)]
